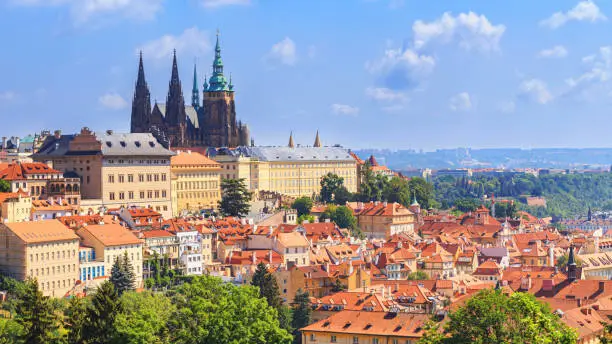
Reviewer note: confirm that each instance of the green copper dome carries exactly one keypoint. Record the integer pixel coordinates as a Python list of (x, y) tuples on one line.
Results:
[(217, 81)]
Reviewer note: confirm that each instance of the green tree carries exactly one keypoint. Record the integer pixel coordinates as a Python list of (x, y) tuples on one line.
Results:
[(423, 191), (302, 314), (493, 317), (37, 315), (417, 276), (235, 197), (397, 190), (144, 318), (305, 217), (285, 318), (104, 308), (75, 319), (344, 218), (210, 311), (5, 186), (330, 184), (338, 286), (268, 288), (302, 205), (10, 331), (122, 274), (562, 262), (467, 204)]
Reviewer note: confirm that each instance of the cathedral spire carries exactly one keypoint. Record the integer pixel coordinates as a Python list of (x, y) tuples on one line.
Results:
[(218, 82), (291, 144), (317, 142), (195, 92), (141, 103), (175, 103)]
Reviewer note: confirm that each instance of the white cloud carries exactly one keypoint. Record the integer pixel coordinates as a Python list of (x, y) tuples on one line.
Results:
[(507, 107), (584, 11), (83, 11), (460, 102), (535, 90), (113, 101), (343, 109), (385, 94), (473, 31), (600, 69), (222, 3), (283, 52), (557, 51), (191, 42), (7, 95), (402, 69)]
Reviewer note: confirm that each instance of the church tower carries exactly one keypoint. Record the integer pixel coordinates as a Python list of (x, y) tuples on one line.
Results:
[(220, 126), (317, 142), (175, 118), (195, 93), (141, 103)]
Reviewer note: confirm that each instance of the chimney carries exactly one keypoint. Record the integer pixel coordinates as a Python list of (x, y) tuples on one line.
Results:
[(602, 285), (389, 290), (385, 204), (109, 132), (57, 134), (579, 302), (326, 267), (397, 287), (327, 220), (270, 256), (551, 255), (253, 258)]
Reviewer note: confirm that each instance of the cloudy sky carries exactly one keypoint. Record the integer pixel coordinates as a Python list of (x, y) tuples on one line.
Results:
[(366, 73)]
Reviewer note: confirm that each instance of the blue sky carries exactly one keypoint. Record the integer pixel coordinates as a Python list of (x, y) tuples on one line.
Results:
[(366, 73)]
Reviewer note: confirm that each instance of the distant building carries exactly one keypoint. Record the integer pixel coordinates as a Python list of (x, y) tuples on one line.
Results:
[(457, 173), (293, 171), (115, 169), (196, 182), (15, 207), (382, 220)]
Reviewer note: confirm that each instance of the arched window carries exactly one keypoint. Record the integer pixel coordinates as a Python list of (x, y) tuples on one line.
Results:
[(69, 188)]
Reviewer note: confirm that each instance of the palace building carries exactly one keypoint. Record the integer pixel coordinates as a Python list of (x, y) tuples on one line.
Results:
[(211, 122)]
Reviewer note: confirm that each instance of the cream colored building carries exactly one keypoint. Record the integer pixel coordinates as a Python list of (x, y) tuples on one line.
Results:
[(44, 250), (292, 171), (196, 182), (15, 207), (115, 169), (111, 241), (381, 220)]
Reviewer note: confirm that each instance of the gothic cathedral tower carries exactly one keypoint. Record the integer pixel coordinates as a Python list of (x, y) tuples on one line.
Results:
[(219, 120), (141, 103), (175, 118)]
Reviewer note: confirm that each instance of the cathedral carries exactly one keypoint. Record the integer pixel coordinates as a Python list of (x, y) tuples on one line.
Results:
[(207, 123)]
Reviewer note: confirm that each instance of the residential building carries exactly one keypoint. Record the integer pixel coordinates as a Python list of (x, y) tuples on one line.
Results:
[(190, 245), (160, 244), (293, 171), (42, 182), (44, 250), (50, 209), (15, 206), (488, 271), (90, 267), (382, 220), (364, 327), (196, 182), (115, 169), (110, 242)]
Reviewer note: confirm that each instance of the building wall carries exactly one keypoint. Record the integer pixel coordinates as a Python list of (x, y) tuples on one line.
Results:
[(207, 255), (16, 210), (53, 264), (89, 167), (140, 181), (383, 227), (293, 178), (197, 187), (309, 337)]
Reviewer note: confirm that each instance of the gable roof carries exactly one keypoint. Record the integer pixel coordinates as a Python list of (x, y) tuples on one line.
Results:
[(111, 234), (41, 231)]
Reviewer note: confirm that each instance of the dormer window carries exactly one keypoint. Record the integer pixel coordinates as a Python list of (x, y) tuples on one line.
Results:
[(152, 144), (109, 144), (137, 143), (122, 143)]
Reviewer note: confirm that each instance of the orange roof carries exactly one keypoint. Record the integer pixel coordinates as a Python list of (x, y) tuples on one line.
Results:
[(111, 234), (183, 158), (293, 239), (18, 171), (358, 159), (43, 204), (379, 209), (41, 231), (372, 323), (11, 195), (156, 233), (354, 301), (142, 212), (488, 268)]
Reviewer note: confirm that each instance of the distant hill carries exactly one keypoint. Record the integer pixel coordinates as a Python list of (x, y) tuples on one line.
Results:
[(573, 158)]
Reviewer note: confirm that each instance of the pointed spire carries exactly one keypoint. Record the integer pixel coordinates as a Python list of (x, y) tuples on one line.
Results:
[(317, 142), (175, 103), (231, 86), (195, 92), (571, 260), (175, 76), (571, 265), (217, 80), (141, 103), (291, 144), (205, 82), (140, 81), (414, 200)]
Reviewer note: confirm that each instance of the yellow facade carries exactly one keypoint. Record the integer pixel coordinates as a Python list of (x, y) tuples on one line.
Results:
[(295, 172), (196, 181), (310, 337), (44, 250), (15, 207)]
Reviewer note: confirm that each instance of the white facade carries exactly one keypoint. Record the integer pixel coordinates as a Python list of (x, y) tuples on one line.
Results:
[(190, 251)]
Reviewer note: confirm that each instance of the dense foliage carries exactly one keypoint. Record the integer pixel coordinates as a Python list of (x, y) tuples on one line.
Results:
[(302, 314), (204, 310), (566, 194), (122, 276), (5, 186), (343, 217), (491, 317), (235, 197), (302, 205)]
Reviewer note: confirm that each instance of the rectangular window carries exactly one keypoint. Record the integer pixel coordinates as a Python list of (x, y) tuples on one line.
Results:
[(149, 194), (122, 195), (142, 194), (156, 194), (111, 196), (111, 178), (163, 176), (156, 177), (131, 194), (149, 177), (163, 193), (335, 340), (130, 178), (141, 178), (121, 178)]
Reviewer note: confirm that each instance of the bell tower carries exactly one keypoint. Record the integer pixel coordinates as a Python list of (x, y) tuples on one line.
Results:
[(141, 103)]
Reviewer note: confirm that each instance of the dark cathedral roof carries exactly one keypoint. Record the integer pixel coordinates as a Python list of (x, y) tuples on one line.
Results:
[(190, 111)]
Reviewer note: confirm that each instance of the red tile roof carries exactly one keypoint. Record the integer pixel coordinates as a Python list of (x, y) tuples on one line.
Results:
[(19, 171)]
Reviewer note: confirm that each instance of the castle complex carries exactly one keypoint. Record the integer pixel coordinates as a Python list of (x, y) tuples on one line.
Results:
[(209, 123)]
